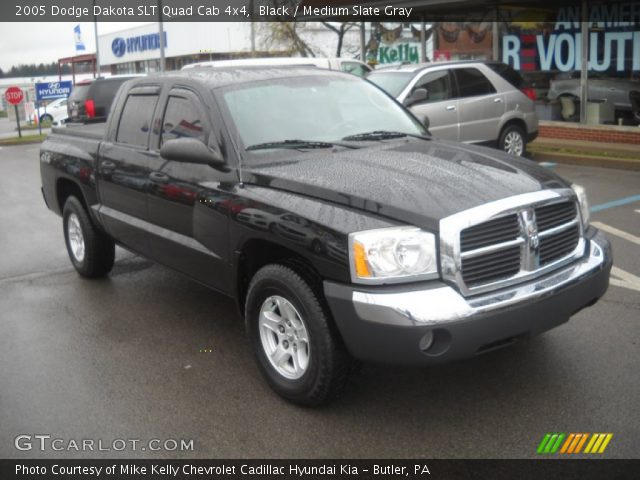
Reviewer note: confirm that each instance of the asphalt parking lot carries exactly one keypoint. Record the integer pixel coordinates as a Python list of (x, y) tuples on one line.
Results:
[(147, 354)]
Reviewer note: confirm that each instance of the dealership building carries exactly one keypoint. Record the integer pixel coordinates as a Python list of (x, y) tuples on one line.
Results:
[(137, 50)]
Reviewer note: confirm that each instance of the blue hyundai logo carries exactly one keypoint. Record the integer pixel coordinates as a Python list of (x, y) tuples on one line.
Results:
[(118, 46)]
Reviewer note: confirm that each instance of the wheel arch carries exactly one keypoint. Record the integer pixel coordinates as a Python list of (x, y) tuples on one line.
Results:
[(255, 253)]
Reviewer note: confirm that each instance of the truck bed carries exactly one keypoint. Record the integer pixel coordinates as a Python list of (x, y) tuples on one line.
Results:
[(94, 131)]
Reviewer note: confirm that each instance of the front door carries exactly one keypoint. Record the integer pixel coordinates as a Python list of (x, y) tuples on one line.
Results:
[(440, 106), (189, 234)]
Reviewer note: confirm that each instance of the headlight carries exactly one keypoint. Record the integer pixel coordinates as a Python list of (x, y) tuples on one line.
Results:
[(391, 255), (581, 193)]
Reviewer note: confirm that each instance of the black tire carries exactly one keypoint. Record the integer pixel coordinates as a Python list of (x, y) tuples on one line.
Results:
[(329, 363), (508, 132), (46, 118), (99, 249)]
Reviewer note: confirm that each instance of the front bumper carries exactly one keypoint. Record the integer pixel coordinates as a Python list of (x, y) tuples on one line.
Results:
[(388, 324)]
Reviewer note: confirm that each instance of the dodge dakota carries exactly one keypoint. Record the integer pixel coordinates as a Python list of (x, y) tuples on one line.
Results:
[(343, 231)]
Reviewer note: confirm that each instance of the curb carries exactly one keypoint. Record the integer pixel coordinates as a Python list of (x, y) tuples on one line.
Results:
[(15, 142), (586, 160)]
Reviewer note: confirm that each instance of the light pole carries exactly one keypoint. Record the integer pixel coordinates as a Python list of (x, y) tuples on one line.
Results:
[(161, 33), (95, 34)]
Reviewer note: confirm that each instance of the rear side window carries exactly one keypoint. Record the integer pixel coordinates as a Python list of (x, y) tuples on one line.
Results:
[(133, 128), (182, 119), (508, 73), (472, 83)]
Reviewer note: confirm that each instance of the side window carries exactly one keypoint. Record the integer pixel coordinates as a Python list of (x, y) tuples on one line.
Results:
[(438, 85), (472, 83), (135, 119), (182, 119)]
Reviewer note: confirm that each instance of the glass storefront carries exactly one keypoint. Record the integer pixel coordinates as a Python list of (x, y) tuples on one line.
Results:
[(545, 45)]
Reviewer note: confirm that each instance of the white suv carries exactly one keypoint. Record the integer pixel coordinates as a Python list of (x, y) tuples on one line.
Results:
[(472, 101)]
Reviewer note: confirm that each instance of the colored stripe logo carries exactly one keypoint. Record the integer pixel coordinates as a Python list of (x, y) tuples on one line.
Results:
[(574, 443)]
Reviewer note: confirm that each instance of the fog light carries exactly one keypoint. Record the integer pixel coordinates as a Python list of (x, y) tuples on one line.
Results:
[(426, 341)]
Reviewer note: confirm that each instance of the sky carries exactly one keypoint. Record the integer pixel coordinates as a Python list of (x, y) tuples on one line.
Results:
[(43, 42)]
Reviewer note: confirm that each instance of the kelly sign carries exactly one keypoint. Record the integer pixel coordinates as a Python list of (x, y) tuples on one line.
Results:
[(14, 95), (51, 90)]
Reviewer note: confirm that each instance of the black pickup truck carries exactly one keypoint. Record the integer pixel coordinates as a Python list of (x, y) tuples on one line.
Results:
[(324, 208)]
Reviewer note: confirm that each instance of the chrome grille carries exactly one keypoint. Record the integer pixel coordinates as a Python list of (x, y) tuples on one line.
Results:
[(559, 244), (492, 266), (510, 240), (555, 214), (488, 233)]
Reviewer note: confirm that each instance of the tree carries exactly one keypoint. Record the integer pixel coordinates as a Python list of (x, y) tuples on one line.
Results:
[(340, 29)]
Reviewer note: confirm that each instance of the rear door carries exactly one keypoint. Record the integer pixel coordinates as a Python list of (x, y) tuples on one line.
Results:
[(480, 105), (123, 169), (189, 234), (440, 106)]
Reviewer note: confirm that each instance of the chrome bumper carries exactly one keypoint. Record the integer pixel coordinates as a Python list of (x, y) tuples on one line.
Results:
[(444, 304)]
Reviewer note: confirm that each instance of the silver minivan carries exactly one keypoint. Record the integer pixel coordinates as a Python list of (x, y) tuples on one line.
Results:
[(478, 102)]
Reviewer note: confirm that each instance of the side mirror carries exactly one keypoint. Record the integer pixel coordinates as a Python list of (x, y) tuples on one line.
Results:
[(417, 96), (191, 150)]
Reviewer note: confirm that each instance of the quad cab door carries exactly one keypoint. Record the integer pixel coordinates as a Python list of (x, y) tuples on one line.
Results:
[(123, 169), (189, 234)]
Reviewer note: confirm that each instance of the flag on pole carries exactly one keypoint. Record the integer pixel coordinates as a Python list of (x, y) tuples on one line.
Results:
[(78, 39)]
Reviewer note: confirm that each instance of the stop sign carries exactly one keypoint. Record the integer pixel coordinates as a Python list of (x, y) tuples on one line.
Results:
[(14, 95)]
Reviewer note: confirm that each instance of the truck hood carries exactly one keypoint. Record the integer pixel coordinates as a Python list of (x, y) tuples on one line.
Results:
[(409, 180)]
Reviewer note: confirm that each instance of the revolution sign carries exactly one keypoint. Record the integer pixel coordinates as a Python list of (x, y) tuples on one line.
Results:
[(51, 90)]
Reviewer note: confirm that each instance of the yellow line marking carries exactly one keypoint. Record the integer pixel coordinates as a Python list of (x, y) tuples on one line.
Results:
[(596, 445), (590, 444), (605, 443)]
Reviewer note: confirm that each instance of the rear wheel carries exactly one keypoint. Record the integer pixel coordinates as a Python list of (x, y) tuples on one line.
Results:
[(293, 338), (91, 251), (512, 140), (46, 118)]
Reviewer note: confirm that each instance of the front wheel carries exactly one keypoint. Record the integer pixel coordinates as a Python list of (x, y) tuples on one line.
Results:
[(293, 338), (91, 251), (46, 118), (512, 140)]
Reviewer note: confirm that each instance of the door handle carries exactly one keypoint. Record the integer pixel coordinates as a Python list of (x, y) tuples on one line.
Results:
[(107, 165), (158, 177), (450, 108), (497, 100)]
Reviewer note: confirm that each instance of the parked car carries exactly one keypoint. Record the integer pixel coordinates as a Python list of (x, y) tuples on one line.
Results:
[(54, 113), (428, 251), (472, 102), (612, 90), (90, 100), (347, 65)]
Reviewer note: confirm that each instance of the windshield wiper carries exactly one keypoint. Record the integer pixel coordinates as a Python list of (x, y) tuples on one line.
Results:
[(293, 144), (382, 135)]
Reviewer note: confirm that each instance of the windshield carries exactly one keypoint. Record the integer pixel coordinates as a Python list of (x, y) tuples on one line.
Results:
[(316, 108), (392, 82)]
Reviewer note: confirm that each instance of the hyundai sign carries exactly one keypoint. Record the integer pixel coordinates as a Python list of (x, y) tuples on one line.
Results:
[(140, 43), (51, 90)]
